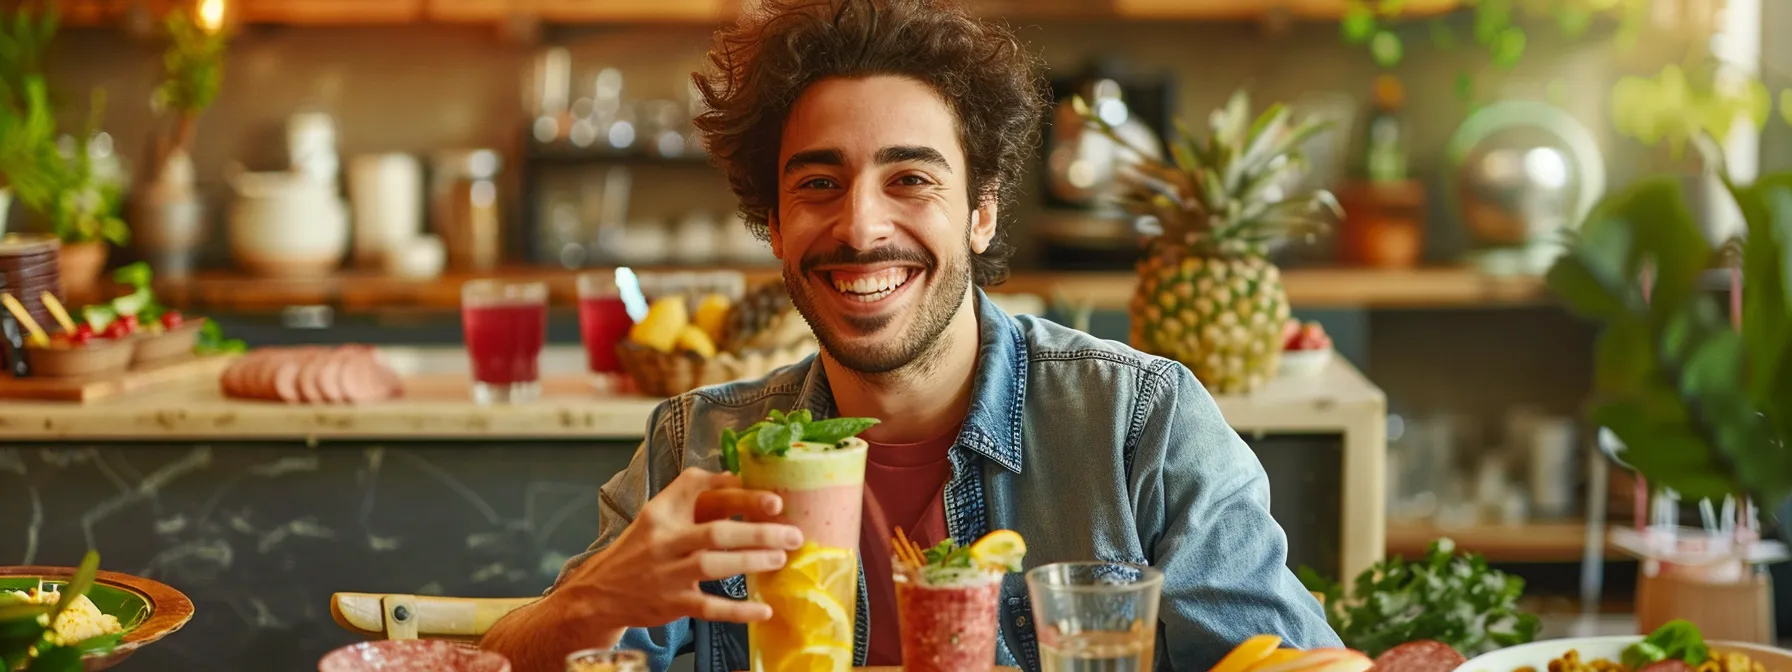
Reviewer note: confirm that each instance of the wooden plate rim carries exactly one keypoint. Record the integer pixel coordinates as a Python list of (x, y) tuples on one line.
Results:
[(169, 608)]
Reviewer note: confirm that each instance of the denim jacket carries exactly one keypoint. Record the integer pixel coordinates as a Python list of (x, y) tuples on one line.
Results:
[(1089, 449)]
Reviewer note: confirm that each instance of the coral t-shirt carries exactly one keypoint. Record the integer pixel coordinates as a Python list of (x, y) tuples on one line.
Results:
[(904, 487)]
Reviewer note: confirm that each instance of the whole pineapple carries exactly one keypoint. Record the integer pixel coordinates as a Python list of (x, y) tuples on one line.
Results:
[(1208, 296)]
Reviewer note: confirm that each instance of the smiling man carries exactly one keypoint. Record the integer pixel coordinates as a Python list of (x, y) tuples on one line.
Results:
[(875, 144)]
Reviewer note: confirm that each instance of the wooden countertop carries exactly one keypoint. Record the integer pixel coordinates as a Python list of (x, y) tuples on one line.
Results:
[(1307, 288), (437, 406)]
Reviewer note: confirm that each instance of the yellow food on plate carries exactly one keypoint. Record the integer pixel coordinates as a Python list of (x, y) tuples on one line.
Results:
[(1248, 653), (82, 619)]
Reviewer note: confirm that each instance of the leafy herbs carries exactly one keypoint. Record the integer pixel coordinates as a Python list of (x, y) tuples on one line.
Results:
[(775, 435), (1676, 640), (27, 644), (1701, 407), (949, 554), (1454, 599), (212, 340)]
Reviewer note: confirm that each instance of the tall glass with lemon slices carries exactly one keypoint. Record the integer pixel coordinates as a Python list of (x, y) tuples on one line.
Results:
[(818, 468)]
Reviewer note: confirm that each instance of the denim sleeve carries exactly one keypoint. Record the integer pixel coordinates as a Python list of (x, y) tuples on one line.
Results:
[(657, 461), (1223, 557)]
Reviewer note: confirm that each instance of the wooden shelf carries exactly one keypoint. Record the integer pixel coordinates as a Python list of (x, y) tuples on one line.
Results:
[(1528, 542), (1307, 288), (1329, 10)]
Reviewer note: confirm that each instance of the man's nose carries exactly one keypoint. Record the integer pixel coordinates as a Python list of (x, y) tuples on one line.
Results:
[(867, 221)]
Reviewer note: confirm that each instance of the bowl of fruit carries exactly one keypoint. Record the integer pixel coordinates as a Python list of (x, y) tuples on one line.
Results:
[(74, 350), (674, 350), (1306, 349)]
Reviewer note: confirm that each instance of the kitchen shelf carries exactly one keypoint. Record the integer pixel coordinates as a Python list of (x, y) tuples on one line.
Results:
[(1528, 542), (560, 154), (1307, 288)]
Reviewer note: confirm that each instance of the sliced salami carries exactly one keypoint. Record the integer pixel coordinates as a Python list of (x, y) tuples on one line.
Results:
[(286, 375), (1419, 656), (311, 375), (261, 380), (363, 377)]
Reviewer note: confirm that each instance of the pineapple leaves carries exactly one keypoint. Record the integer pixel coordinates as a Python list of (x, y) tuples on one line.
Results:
[(1225, 194)]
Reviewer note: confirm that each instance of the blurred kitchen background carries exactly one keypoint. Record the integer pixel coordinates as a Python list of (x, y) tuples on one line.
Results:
[(477, 137)]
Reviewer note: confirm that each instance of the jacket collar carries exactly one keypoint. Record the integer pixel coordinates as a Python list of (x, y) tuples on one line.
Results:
[(998, 388)]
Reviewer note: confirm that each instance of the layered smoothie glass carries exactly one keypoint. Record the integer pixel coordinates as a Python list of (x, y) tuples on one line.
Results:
[(818, 468), (946, 599)]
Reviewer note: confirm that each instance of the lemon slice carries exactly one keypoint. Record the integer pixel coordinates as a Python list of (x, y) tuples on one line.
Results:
[(1248, 653), (818, 658), (830, 569), (815, 614), (1002, 549)]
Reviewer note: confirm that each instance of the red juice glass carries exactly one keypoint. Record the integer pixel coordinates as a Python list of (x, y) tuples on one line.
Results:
[(505, 325), (948, 620), (603, 322)]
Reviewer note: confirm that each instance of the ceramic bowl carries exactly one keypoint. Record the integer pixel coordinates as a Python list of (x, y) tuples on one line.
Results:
[(1305, 363), (148, 610), (412, 655), (1537, 655)]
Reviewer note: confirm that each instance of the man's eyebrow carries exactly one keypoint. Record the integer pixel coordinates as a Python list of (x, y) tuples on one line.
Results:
[(905, 153), (814, 157)]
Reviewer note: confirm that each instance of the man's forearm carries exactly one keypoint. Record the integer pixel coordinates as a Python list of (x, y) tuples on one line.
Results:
[(537, 637)]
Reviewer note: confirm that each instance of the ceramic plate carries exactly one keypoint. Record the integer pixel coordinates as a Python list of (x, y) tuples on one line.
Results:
[(1538, 654), (148, 610)]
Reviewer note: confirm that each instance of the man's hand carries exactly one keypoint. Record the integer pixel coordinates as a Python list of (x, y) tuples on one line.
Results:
[(686, 534)]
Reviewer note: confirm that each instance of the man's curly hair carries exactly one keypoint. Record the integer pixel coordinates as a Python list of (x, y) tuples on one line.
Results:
[(762, 64)]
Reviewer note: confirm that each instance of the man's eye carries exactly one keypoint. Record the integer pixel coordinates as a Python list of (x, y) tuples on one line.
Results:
[(913, 181), (818, 183)]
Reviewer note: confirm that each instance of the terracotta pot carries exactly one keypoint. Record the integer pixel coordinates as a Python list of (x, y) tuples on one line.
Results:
[(81, 265)]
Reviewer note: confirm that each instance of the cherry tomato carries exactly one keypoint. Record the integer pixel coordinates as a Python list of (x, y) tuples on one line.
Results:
[(172, 319), (130, 323), (81, 336), (116, 329), (83, 330)]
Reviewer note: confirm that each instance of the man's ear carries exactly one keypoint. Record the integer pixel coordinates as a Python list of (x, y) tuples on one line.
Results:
[(983, 225), (771, 224)]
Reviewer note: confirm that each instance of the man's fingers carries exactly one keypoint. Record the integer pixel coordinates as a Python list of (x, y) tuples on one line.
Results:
[(730, 502), (735, 535), (717, 565), (721, 609)]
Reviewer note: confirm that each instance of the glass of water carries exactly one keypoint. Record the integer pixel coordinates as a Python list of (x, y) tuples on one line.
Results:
[(606, 660), (1095, 616)]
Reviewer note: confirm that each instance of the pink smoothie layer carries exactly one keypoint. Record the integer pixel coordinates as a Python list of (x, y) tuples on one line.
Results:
[(948, 629), (828, 516)]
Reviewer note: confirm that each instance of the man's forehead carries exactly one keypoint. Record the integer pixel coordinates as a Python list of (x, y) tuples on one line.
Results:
[(861, 117)]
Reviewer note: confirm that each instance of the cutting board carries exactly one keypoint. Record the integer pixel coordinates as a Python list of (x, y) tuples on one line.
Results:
[(89, 388)]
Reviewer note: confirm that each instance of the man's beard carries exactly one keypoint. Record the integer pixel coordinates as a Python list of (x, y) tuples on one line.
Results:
[(943, 294)]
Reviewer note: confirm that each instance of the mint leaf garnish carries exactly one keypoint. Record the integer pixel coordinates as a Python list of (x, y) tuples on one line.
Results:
[(774, 440), (948, 554), (833, 430), (730, 451)]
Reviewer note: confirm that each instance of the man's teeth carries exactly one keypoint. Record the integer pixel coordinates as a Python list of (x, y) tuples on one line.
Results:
[(872, 286)]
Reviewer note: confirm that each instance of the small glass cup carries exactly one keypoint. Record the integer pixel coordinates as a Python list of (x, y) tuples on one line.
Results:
[(603, 324), (1095, 615), (505, 324), (605, 660)]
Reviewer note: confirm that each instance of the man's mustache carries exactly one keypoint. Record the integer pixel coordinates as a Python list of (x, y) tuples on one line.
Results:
[(845, 256)]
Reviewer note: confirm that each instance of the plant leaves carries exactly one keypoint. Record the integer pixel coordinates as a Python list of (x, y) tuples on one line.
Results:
[(833, 430), (1574, 282)]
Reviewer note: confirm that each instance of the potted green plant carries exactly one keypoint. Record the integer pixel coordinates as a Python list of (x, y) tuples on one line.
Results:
[(27, 121), (1701, 405), (165, 208), (84, 208)]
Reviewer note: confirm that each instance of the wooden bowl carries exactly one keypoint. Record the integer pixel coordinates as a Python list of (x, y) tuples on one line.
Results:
[(168, 345), (99, 357), (149, 610)]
